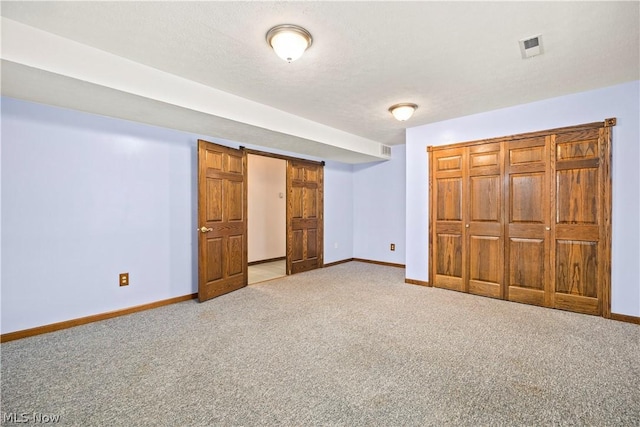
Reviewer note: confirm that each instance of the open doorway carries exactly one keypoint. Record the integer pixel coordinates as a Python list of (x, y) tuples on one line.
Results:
[(266, 200), (223, 205)]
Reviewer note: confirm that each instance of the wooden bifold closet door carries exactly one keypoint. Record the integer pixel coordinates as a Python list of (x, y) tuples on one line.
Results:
[(466, 219), (525, 218)]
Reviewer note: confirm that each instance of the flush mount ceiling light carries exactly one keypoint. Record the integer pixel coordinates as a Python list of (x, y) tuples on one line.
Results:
[(289, 41), (403, 111)]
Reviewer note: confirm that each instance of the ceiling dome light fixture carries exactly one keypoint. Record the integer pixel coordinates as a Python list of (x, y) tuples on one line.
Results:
[(403, 111), (289, 41)]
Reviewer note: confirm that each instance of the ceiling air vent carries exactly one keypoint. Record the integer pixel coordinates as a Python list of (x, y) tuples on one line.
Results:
[(531, 46), (385, 150)]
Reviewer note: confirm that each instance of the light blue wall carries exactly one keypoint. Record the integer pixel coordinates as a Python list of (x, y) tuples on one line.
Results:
[(86, 197), (379, 209), (338, 211), (621, 101)]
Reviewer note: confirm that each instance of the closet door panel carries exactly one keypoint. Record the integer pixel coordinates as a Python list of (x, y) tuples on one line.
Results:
[(527, 270), (449, 203), (484, 227), (449, 261), (578, 220), (577, 268), (527, 194), (565, 232), (485, 268), (528, 249), (448, 240), (485, 203)]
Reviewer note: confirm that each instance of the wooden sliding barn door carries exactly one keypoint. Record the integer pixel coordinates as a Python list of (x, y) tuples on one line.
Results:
[(525, 218), (305, 209), (222, 220)]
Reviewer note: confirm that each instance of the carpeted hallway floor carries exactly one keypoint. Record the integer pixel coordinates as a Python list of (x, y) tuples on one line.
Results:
[(349, 345)]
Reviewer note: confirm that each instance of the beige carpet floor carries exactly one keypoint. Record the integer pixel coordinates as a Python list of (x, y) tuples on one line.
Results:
[(349, 345)]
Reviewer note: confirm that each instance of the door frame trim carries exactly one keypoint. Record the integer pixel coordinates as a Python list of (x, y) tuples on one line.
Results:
[(606, 123), (279, 156)]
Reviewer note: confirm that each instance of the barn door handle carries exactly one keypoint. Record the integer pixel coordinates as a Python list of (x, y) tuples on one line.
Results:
[(467, 226), (547, 228), (204, 229)]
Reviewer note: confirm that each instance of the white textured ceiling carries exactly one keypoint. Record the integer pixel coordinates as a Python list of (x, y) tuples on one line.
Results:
[(450, 58)]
